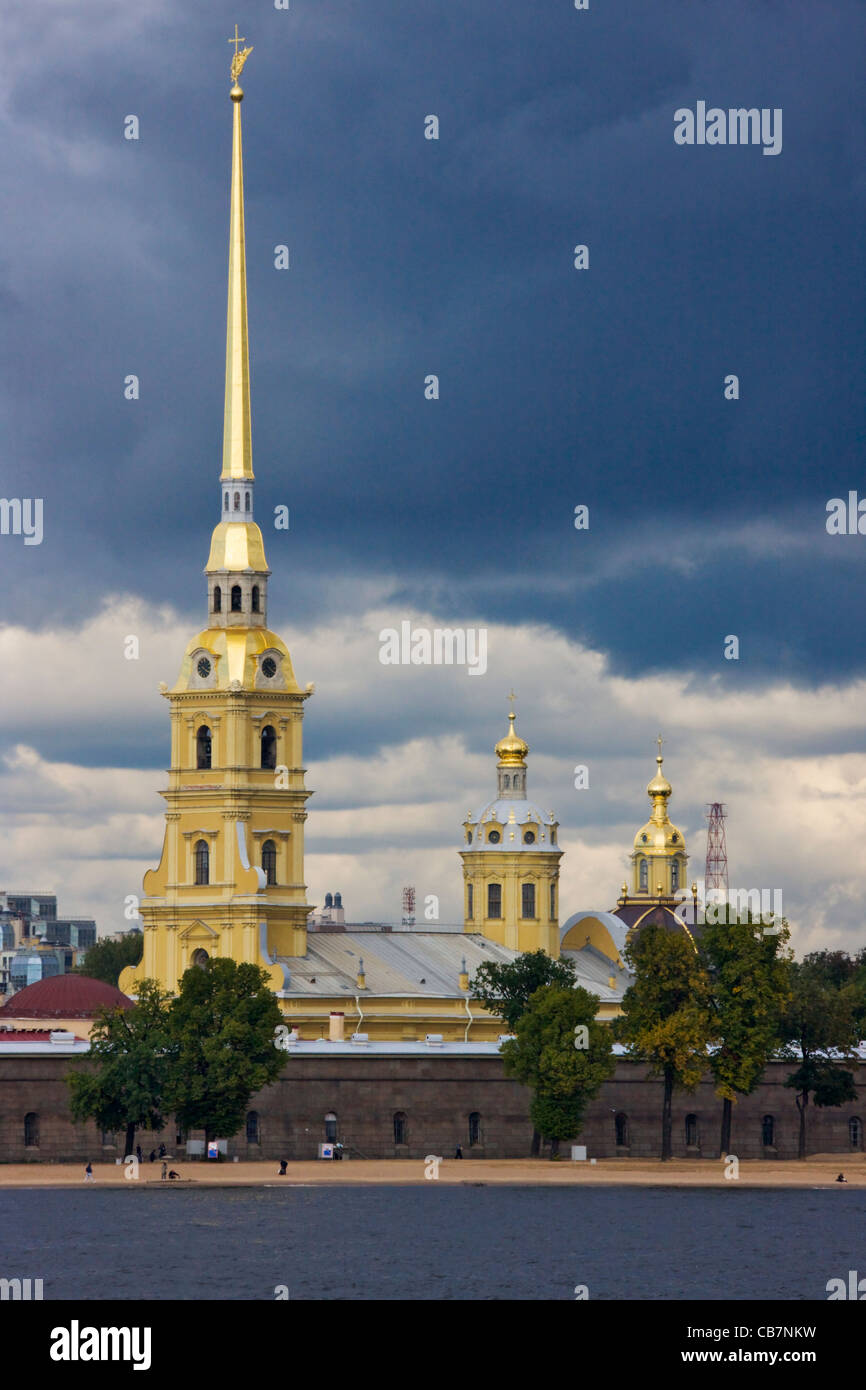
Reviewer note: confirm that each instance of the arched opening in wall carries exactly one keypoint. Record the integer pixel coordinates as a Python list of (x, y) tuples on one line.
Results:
[(237, 599), (553, 899), (675, 875), (225, 501), (621, 1126), (109, 1139), (643, 875), (401, 1129), (255, 598), (202, 862), (269, 746), (527, 900), (253, 1132), (470, 900), (474, 1128), (203, 747), (31, 1130), (330, 1128), (494, 900), (691, 1131), (246, 501), (269, 862), (855, 1132), (506, 780), (200, 958), (217, 599), (768, 1132), (237, 501)]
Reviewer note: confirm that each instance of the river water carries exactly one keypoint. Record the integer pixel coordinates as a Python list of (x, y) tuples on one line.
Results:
[(467, 1242)]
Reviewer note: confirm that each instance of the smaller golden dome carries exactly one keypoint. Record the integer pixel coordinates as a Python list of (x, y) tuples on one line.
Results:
[(659, 786), (511, 750)]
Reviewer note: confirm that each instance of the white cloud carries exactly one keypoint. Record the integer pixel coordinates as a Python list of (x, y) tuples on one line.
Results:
[(416, 752)]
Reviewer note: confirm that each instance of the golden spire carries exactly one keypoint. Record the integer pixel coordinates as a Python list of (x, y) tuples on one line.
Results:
[(512, 750), (237, 438), (659, 789)]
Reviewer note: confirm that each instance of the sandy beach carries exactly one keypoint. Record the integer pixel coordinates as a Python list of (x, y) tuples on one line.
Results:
[(817, 1171)]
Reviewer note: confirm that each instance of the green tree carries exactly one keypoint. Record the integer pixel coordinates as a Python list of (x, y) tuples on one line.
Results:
[(505, 990), (819, 1029), (667, 1018), (750, 974), (222, 1025), (124, 1084), (563, 1054), (105, 959)]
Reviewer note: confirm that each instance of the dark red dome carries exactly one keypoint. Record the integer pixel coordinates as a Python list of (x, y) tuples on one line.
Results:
[(65, 996)]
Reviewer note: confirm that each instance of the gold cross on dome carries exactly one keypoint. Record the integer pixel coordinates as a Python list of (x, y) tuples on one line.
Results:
[(660, 740), (512, 697)]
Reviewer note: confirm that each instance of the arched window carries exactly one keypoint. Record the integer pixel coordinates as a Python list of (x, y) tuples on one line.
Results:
[(553, 899), (494, 900), (203, 747), (225, 501), (269, 861), (200, 958), (237, 501), (621, 1125), (855, 1132), (643, 872), (506, 780), (691, 1131), (109, 1139), (400, 1128), (246, 501), (675, 875), (527, 899), (474, 1128), (255, 598), (237, 602), (217, 599), (202, 862), (253, 1136), (269, 746), (768, 1132), (330, 1128), (470, 900), (31, 1130)]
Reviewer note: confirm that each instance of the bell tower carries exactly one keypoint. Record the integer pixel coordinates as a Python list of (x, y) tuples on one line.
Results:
[(231, 878), (511, 860)]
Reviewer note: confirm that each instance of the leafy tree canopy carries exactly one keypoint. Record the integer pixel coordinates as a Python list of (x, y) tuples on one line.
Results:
[(506, 989), (105, 959)]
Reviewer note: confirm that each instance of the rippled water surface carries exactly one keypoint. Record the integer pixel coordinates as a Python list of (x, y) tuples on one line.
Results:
[(432, 1242)]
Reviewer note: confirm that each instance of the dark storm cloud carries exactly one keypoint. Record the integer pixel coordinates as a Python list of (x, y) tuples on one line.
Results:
[(453, 257)]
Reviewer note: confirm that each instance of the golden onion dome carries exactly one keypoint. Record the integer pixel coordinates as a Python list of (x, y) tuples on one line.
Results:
[(659, 786), (512, 750)]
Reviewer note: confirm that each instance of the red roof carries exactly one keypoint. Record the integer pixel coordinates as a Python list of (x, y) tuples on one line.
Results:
[(64, 996)]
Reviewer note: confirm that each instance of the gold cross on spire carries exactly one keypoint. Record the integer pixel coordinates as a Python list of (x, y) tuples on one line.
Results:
[(660, 741), (512, 697), (240, 58)]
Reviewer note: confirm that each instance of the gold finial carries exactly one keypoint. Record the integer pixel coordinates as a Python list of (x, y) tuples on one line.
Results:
[(660, 741), (240, 58)]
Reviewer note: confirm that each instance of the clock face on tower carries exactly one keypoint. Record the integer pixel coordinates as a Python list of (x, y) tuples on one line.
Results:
[(269, 667), (203, 668)]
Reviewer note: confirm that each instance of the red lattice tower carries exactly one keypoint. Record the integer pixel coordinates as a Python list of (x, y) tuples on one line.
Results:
[(408, 919), (716, 872)]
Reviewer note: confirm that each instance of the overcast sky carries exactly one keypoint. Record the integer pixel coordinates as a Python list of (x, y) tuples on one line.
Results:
[(558, 387)]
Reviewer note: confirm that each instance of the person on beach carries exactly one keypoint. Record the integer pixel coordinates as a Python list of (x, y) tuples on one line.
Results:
[(841, 1178), (458, 1152), (283, 1166), (162, 1151), (138, 1153), (88, 1173), (173, 1174), (164, 1171), (152, 1156)]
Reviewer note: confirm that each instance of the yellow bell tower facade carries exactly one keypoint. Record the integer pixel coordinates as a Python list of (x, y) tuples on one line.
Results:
[(511, 861), (231, 878)]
